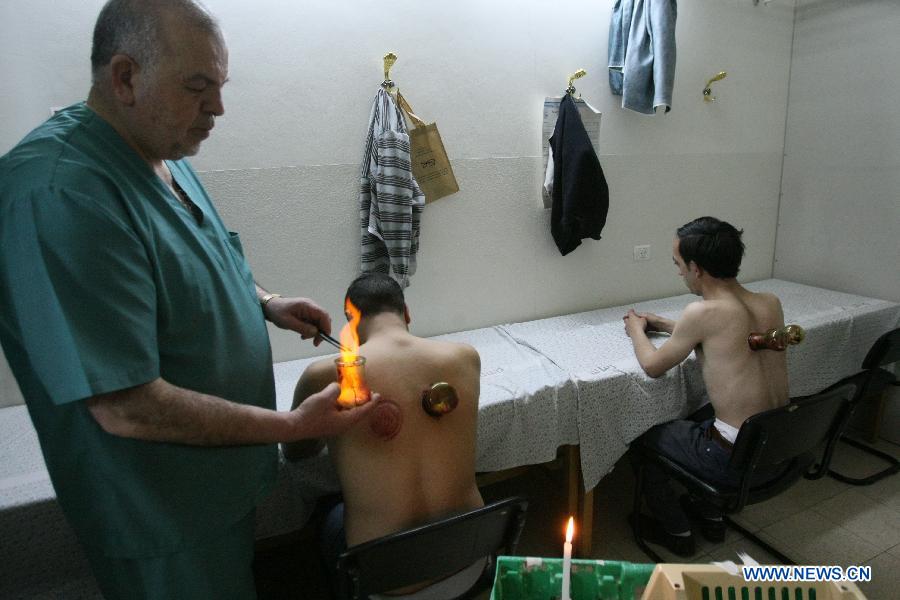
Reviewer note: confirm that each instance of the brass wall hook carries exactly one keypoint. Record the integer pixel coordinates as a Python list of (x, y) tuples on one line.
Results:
[(707, 91), (576, 75), (389, 59)]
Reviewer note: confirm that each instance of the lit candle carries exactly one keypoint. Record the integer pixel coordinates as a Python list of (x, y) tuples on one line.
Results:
[(567, 559)]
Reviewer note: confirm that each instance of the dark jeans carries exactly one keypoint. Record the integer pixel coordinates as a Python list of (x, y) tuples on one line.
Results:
[(688, 443)]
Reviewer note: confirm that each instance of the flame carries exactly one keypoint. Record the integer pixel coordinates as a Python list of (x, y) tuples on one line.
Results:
[(570, 530), (350, 333), (354, 390)]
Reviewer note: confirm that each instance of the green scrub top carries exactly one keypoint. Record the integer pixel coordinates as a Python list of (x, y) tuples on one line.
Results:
[(107, 282)]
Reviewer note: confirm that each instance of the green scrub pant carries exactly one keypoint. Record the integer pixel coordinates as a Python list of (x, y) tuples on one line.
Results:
[(219, 570)]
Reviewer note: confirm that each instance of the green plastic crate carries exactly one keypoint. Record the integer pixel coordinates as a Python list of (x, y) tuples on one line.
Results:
[(521, 578)]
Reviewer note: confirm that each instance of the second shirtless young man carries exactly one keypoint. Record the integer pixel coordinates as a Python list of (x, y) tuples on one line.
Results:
[(427, 470), (739, 381)]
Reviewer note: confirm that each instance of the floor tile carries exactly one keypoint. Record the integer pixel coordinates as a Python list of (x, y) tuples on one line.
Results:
[(730, 550), (886, 491), (895, 552), (815, 539), (867, 518), (761, 515), (885, 578), (807, 492)]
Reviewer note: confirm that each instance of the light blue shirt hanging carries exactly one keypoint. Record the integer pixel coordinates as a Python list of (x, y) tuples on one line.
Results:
[(642, 53)]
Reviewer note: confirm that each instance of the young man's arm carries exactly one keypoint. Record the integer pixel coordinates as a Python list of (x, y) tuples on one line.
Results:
[(316, 376), (686, 335), (468, 363), (657, 323)]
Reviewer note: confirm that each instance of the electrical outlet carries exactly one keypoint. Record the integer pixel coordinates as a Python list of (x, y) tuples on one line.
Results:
[(642, 252)]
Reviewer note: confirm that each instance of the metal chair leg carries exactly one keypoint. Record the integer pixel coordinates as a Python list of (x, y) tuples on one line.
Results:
[(636, 514), (893, 469), (755, 539)]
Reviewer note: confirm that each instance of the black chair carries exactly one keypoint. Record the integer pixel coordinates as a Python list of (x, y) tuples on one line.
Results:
[(822, 467), (785, 438), (433, 551), (873, 381)]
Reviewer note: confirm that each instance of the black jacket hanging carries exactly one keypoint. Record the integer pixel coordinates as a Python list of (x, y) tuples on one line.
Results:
[(580, 193)]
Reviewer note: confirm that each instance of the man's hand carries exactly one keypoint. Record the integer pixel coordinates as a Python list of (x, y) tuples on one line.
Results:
[(687, 333), (320, 416), (655, 322), (634, 323), (299, 314)]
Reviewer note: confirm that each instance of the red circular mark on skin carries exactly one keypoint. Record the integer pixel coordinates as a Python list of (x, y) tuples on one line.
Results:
[(386, 420)]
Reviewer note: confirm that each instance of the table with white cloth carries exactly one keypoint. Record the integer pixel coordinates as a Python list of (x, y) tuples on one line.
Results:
[(574, 379), (570, 381)]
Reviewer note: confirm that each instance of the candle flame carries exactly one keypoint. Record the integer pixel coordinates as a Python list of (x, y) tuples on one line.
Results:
[(570, 530), (354, 390)]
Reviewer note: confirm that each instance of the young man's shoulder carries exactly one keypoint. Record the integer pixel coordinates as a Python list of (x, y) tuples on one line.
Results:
[(457, 352), (713, 314), (764, 304), (705, 316), (321, 371), (699, 310), (769, 298)]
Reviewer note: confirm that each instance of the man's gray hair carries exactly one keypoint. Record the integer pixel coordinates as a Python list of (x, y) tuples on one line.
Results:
[(136, 28)]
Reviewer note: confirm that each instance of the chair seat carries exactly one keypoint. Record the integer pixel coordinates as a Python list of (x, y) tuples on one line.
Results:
[(726, 497)]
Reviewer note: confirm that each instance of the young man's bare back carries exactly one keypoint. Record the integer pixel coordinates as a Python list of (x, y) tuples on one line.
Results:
[(426, 471), (740, 382)]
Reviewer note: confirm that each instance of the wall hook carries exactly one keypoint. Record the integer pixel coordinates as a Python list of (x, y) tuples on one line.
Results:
[(576, 75), (389, 59), (707, 91)]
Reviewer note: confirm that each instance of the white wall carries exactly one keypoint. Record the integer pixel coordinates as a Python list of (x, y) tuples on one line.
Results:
[(839, 224), (282, 163)]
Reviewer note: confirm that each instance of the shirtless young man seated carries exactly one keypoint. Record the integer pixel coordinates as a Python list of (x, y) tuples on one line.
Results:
[(740, 382), (426, 471)]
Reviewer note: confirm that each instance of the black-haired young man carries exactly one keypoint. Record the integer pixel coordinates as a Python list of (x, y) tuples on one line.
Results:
[(423, 468), (739, 381)]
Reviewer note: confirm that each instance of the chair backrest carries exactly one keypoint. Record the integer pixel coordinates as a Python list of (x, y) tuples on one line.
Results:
[(860, 382), (884, 351), (872, 380), (431, 551), (785, 434)]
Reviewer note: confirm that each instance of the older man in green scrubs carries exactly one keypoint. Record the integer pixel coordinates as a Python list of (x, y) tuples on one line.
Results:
[(132, 322)]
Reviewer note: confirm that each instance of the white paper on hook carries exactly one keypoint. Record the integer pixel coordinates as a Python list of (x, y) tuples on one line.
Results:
[(590, 116)]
